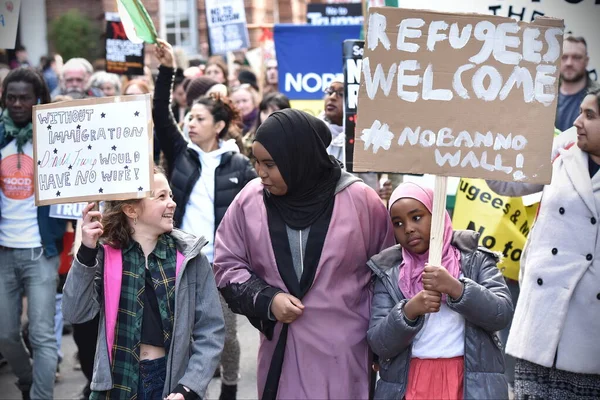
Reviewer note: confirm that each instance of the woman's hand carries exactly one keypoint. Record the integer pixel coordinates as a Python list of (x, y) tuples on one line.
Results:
[(286, 308), (91, 228), (164, 53), (175, 396), (424, 302), (440, 280)]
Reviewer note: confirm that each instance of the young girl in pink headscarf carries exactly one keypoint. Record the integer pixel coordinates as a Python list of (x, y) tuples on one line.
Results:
[(434, 327)]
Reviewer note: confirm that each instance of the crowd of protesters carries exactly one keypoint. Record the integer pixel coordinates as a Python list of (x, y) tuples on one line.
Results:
[(253, 213)]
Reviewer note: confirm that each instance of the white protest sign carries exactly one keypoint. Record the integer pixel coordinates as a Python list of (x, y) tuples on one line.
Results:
[(9, 21), (581, 16), (227, 29), (458, 95), (93, 149)]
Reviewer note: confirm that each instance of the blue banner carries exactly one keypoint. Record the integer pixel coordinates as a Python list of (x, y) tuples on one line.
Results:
[(309, 57)]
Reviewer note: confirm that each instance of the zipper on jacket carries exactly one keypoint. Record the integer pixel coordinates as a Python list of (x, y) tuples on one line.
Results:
[(387, 281), (177, 282), (301, 255)]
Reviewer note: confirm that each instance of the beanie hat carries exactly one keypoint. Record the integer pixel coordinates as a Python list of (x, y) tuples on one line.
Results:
[(198, 88), (249, 77)]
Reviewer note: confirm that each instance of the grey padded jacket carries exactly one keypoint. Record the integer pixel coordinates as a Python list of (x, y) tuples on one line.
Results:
[(198, 327), (485, 304)]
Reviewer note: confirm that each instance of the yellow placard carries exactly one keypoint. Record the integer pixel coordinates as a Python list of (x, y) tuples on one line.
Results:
[(503, 222), (313, 107)]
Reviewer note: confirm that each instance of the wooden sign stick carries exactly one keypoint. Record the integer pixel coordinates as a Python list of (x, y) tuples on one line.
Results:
[(436, 240)]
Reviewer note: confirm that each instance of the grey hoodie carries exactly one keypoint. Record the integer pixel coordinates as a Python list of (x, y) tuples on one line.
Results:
[(485, 304), (198, 327)]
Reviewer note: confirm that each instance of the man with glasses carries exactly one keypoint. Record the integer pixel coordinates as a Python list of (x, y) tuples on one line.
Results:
[(574, 81), (75, 80), (333, 115)]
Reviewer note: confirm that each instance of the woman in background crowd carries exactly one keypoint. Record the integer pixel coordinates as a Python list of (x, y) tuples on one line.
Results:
[(216, 69), (109, 84), (246, 99), (206, 174)]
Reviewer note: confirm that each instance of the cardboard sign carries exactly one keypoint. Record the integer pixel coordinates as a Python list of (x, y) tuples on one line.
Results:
[(353, 54), (93, 149), (580, 16), (307, 69), (122, 55), (9, 21), (458, 95), (334, 14), (227, 29)]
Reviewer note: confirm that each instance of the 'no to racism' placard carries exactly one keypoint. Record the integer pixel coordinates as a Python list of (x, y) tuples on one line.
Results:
[(93, 149), (458, 95)]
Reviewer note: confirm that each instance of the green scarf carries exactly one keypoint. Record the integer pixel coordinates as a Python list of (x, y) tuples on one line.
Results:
[(22, 135)]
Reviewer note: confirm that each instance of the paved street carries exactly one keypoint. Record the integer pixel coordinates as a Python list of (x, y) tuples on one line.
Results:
[(71, 382)]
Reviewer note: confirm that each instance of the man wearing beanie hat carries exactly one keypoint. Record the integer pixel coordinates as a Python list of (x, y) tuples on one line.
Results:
[(198, 88)]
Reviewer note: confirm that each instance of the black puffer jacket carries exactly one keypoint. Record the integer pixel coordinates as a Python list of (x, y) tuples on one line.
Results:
[(232, 174)]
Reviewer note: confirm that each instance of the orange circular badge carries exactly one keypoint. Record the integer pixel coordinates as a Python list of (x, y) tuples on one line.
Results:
[(17, 184)]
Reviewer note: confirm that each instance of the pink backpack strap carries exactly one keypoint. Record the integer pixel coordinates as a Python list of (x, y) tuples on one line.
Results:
[(180, 258), (113, 273)]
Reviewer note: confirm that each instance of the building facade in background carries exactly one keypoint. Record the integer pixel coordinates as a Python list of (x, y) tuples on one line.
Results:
[(180, 22)]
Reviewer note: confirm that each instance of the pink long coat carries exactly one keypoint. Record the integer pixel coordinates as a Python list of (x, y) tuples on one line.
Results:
[(327, 356)]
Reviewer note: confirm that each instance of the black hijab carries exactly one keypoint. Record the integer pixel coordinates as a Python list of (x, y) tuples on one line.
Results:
[(298, 142)]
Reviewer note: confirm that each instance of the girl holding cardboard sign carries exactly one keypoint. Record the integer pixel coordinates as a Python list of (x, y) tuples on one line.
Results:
[(161, 328), (433, 328)]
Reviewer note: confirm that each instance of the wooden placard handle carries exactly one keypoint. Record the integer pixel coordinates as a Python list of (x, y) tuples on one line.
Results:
[(438, 213)]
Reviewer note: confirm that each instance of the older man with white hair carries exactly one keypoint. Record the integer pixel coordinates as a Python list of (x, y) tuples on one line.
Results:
[(75, 80)]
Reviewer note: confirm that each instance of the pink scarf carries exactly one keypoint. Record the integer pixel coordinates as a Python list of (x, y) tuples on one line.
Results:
[(411, 269)]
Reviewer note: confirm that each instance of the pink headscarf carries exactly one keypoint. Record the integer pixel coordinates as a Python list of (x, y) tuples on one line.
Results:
[(411, 271)]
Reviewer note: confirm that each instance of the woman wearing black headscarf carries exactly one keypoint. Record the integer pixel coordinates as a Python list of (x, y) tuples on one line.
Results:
[(291, 255)]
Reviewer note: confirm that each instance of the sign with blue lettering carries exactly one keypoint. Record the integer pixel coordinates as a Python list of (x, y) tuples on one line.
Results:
[(9, 20), (309, 57)]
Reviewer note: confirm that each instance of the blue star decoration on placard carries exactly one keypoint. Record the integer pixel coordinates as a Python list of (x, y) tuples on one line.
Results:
[(100, 190), (126, 167), (89, 147), (78, 126), (58, 194), (49, 127), (70, 167), (55, 151), (140, 189), (39, 163), (137, 113), (102, 115), (114, 148)]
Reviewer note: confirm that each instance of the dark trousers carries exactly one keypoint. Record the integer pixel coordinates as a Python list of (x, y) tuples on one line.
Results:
[(152, 379), (85, 336)]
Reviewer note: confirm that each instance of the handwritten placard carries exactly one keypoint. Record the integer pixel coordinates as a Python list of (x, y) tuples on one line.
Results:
[(458, 95), (9, 21), (93, 149)]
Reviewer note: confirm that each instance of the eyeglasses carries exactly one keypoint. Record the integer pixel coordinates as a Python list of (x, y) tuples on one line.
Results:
[(330, 92)]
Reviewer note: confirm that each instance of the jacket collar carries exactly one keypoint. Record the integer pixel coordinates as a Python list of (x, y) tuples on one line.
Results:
[(188, 244), (576, 164)]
